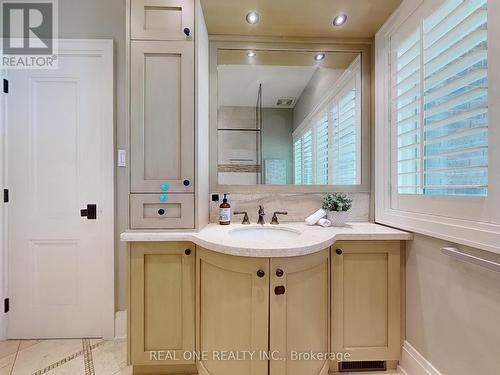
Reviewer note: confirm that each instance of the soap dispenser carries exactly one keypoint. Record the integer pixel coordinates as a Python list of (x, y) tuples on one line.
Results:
[(225, 212)]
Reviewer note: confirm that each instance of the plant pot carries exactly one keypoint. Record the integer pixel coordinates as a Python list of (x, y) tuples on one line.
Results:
[(338, 218)]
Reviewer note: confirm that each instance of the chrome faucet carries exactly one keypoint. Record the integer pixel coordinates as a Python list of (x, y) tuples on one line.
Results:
[(261, 215)]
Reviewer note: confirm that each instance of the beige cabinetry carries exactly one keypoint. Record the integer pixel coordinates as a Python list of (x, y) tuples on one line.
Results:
[(233, 308), (299, 313), (366, 299), (162, 302), (162, 114)]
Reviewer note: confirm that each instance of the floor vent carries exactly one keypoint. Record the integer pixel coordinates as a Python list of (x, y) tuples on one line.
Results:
[(362, 366)]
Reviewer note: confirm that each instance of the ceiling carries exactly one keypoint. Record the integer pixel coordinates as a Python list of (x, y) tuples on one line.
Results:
[(298, 18), (239, 84)]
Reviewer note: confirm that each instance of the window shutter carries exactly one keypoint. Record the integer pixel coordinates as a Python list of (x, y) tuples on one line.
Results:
[(297, 159), (307, 157), (322, 151)]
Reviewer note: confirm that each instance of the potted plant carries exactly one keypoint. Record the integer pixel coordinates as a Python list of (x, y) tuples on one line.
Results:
[(337, 205)]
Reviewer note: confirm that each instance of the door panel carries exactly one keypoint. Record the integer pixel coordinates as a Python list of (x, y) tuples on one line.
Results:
[(162, 117), (233, 304), (162, 19), (61, 276), (162, 317), (300, 316), (366, 299)]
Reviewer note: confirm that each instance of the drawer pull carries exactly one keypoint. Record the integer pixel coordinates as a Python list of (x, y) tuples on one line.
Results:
[(280, 272), (161, 212), (164, 186), (163, 197), (186, 182), (279, 290), (339, 251), (261, 273), (187, 251), (187, 31)]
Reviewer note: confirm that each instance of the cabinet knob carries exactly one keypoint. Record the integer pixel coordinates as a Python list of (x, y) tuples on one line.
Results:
[(261, 273), (187, 31), (161, 212), (186, 182), (280, 272), (339, 251), (279, 290), (163, 197), (187, 251), (164, 186)]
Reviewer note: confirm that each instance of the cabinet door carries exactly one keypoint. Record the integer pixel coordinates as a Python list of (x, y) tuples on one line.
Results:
[(233, 302), (162, 19), (366, 299), (300, 312), (162, 117), (162, 301)]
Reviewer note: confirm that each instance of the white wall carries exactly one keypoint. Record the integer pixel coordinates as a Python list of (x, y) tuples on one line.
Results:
[(99, 19), (452, 309)]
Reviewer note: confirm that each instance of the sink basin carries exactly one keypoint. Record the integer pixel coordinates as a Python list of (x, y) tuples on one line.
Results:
[(262, 234)]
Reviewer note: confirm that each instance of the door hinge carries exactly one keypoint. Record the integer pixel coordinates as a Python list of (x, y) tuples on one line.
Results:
[(5, 195), (6, 305), (6, 86)]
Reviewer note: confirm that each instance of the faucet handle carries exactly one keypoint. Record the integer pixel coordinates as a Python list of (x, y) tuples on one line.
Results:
[(274, 220), (245, 221)]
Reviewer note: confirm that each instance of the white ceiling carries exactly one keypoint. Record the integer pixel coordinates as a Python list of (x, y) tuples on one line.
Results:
[(239, 84)]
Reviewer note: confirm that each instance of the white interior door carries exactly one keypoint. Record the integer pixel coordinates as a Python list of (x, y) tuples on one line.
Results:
[(60, 159)]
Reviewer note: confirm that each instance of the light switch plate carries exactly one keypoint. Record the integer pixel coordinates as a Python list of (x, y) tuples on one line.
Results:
[(122, 158)]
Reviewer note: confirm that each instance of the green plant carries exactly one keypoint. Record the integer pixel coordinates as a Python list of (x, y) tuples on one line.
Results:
[(337, 202)]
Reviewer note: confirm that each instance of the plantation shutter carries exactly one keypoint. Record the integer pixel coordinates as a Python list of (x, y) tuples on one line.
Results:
[(307, 157), (297, 160), (322, 151)]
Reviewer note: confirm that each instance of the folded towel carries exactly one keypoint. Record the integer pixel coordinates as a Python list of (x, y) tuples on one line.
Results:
[(324, 223), (315, 217)]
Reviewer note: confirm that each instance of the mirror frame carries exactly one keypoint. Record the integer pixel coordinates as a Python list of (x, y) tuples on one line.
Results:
[(364, 49)]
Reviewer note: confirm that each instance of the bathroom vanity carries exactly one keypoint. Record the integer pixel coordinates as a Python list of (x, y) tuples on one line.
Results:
[(285, 290)]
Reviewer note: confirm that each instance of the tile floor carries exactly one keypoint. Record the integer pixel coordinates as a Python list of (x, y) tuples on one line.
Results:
[(64, 357), (68, 357)]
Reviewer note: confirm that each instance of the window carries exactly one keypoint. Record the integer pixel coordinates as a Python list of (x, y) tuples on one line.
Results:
[(440, 103), (435, 170), (327, 144)]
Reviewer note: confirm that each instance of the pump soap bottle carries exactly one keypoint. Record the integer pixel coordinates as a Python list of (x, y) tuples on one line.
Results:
[(225, 212)]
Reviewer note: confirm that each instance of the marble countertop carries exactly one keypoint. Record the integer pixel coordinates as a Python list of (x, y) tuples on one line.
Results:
[(311, 239)]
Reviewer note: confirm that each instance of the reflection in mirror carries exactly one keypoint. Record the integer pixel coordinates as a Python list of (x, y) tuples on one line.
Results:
[(289, 117)]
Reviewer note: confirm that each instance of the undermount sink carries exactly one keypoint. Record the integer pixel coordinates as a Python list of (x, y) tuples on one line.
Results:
[(263, 233)]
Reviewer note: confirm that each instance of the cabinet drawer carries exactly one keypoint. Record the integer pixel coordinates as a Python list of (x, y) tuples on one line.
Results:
[(162, 19), (162, 211)]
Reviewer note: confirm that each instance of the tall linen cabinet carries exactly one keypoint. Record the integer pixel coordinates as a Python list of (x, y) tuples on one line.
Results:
[(168, 75)]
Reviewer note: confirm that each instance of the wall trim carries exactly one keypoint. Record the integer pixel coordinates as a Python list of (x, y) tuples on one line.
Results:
[(414, 363)]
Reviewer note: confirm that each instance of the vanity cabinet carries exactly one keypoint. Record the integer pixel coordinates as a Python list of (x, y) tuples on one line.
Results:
[(299, 312), (162, 302), (258, 305), (366, 299), (233, 311)]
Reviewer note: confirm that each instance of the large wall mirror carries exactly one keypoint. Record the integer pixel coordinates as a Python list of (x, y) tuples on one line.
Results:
[(289, 118)]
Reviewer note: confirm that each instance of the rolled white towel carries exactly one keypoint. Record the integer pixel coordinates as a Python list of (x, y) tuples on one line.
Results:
[(324, 223), (315, 217)]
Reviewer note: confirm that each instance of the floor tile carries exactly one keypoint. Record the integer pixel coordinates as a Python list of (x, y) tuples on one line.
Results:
[(74, 367), (125, 371), (6, 364), (8, 347), (44, 354), (110, 357), (25, 344)]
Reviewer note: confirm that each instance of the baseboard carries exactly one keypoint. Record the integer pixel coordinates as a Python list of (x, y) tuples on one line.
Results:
[(414, 363), (121, 324)]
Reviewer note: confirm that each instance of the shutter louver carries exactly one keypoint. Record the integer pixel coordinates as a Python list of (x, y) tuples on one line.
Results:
[(322, 151)]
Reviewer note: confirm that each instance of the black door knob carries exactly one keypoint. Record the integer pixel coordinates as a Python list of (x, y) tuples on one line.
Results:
[(261, 273), (161, 212), (187, 251), (280, 272), (187, 31), (279, 290), (339, 251), (186, 182), (90, 212)]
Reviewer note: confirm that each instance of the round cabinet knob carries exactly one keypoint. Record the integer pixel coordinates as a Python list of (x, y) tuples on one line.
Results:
[(187, 251), (161, 212), (261, 273), (187, 31), (279, 290), (280, 272), (186, 182), (163, 197), (164, 186), (339, 251)]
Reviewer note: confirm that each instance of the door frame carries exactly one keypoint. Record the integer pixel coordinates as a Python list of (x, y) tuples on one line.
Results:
[(3, 214), (103, 49)]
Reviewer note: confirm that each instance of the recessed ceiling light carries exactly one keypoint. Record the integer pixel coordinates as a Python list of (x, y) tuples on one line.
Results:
[(339, 20), (319, 56), (253, 18), (251, 54)]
